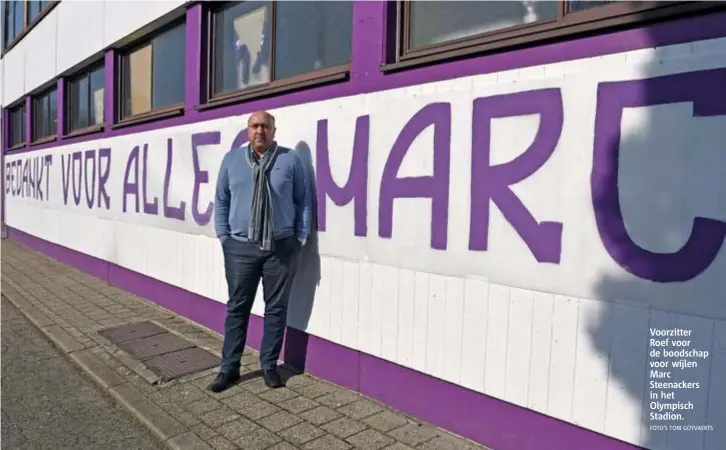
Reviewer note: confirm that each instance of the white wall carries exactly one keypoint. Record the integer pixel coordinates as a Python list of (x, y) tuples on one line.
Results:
[(568, 340), (57, 43)]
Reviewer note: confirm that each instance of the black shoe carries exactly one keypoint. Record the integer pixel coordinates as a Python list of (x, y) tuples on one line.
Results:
[(272, 378), (223, 381)]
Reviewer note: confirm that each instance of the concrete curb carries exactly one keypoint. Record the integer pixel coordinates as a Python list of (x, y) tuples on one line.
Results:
[(172, 433)]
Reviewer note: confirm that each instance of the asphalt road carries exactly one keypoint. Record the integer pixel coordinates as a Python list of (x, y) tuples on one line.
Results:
[(47, 403)]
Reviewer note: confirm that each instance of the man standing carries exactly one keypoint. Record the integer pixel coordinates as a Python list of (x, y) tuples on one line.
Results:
[(262, 215)]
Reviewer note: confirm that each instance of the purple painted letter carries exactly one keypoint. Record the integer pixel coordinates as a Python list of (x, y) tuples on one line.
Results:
[(544, 239), (172, 212), (356, 187), (705, 90), (435, 187), (132, 188), (104, 154), (90, 195), (153, 207), (201, 176)]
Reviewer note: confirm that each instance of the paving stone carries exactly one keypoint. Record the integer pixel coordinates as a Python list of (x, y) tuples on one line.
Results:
[(220, 443), (360, 409), (279, 421), (298, 404), (219, 416), (95, 367), (413, 434), (184, 394), (241, 400), (256, 386), (301, 433), (338, 398), (258, 410), (447, 442), (370, 440), (203, 431), (236, 428), (187, 379), (344, 427), (315, 390), (326, 442), (258, 440), (62, 339), (161, 398), (398, 446), (234, 390), (149, 413), (201, 407), (187, 441), (187, 419), (296, 380), (385, 421), (283, 446), (278, 395), (320, 415), (203, 382)]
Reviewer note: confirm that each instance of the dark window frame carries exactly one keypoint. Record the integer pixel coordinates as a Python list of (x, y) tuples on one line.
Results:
[(12, 112), (274, 87), (28, 25), (34, 122), (399, 54), (165, 112), (84, 72)]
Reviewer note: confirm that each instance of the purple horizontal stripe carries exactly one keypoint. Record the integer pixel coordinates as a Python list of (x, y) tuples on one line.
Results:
[(489, 421), (366, 77)]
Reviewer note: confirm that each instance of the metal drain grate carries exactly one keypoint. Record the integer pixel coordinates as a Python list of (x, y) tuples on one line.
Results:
[(166, 354), (156, 345), (183, 362), (133, 331)]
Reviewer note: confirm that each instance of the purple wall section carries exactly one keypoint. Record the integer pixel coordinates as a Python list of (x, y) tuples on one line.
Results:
[(4, 139), (192, 84), (492, 422)]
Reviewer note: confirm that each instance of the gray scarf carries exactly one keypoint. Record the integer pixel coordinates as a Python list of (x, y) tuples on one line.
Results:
[(261, 213)]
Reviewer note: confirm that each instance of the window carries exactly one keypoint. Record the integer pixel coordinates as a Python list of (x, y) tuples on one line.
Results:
[(34, 8), (17, 125), (85, 100), (19, 16), (45, 115), (429, 31), (582, 5), (14, 20), (153, 74), (268, 44)]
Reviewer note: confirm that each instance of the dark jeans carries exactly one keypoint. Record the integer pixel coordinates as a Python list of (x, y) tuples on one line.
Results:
[(244, 265)]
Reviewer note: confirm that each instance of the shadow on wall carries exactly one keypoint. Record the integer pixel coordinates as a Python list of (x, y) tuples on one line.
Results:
[(654, 189), (306, 280)]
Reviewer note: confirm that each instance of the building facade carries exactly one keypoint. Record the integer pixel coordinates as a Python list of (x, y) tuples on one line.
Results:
[(515, 200)]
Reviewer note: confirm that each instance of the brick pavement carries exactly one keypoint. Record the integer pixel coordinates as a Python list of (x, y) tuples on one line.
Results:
[(70, 307)]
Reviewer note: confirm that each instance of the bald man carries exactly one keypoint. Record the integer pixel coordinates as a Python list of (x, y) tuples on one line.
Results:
[(262, 215)]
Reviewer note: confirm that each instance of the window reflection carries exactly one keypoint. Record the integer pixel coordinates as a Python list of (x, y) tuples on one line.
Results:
[(436, 22), (242, 51), (309, 36), (581, 5), (154, 73)]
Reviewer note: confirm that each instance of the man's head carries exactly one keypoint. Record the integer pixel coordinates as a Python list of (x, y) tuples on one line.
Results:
[(261, 130)]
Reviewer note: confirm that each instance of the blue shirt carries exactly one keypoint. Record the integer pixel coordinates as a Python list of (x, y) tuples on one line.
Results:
[(289, 190)]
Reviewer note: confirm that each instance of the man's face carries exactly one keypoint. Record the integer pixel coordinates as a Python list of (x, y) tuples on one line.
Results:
[(261, 131)]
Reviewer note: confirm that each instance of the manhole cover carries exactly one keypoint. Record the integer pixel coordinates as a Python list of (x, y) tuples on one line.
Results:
[(133, 331), (183, 362), (156, 345)]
